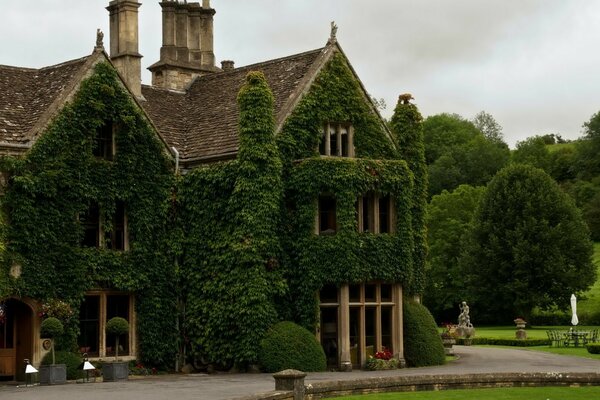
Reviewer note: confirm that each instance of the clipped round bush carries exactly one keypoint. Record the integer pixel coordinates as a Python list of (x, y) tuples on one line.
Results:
[(422, 343), (117, 326), (290, 346), (51, 328), (71, 360), (593, 348)]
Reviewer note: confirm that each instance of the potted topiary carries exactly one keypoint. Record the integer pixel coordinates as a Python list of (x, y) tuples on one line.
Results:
[(53, 374), (116, 370)]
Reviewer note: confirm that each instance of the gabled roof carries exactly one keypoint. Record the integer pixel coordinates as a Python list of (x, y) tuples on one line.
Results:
[(202, 123), (28, 94)]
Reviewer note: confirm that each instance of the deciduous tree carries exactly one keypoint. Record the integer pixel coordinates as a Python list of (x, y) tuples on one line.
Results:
[(529, 246)]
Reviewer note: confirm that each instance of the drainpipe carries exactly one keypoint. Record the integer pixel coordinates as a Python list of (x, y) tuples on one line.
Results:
[(176, 159)]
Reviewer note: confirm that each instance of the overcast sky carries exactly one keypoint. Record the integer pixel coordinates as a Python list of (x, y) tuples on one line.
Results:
[(533, 64)]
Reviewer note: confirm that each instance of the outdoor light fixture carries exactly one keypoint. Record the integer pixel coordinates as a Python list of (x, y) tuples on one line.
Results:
[(87, 367), (29, 371)]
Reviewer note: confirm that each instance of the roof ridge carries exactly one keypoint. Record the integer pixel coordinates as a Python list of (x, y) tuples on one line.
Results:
[(26, 69), (267, 62), (65, 63), (162, 89)]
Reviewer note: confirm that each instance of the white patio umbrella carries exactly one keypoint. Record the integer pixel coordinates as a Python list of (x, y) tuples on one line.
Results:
[(574, 319)]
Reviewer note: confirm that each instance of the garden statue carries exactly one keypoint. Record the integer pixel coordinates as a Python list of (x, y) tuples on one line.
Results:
[(464, 320), (465, 327)]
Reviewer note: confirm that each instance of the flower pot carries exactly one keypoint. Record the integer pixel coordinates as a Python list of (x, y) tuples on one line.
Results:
[(53, 374), (115, 371)]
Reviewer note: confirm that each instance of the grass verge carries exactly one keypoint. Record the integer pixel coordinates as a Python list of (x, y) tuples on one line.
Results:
[(539, 393)]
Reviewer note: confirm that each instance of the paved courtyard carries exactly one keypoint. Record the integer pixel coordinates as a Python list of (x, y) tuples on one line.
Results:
[(229, 386)]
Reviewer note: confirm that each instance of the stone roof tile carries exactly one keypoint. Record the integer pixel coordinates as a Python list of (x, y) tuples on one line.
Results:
[(28, 93), (203, 122)]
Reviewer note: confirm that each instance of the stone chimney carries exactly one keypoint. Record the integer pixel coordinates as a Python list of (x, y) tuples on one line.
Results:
[(124, 50), (187, 48), (227, 65)]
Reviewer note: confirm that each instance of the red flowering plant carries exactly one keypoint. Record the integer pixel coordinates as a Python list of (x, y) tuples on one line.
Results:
[(449, 331), (383, 359), (384, 354), (139, 369)]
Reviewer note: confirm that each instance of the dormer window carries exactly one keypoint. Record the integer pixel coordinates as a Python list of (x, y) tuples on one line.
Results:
[(337, 140), (104, 146)]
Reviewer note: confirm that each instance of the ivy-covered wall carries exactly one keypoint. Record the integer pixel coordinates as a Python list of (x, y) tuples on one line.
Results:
[(231, 220), (250, 253), (348, 256), (58, 180), (407, 128), (229, 247)]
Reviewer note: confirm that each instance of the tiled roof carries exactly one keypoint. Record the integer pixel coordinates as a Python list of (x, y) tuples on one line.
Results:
[(28, 93), (202, 122)]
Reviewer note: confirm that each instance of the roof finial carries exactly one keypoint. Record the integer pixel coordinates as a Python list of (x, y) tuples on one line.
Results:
[(99, 40), (332, 35), (406, 98)]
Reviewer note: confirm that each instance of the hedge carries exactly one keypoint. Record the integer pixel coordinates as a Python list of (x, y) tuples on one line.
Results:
[(289, 346), (505, 342), (422, 342)]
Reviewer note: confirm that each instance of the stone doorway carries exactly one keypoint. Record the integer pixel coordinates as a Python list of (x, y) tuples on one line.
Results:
[(16, 338)]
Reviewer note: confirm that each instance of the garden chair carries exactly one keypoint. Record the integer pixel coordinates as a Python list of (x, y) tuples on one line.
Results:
[(555, 338), (593, 338)]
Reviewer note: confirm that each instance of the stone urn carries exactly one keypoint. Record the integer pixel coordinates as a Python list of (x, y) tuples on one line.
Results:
[(448, 341), (520, 323)]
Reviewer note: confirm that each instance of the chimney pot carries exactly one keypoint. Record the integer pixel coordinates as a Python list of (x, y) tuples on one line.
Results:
[(227, 65)]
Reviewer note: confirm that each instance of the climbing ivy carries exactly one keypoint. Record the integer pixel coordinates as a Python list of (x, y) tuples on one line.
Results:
[(407, 127), (348, 256), (335, 96), (58, 180), (238, 216), (232, 242), (230, 245)]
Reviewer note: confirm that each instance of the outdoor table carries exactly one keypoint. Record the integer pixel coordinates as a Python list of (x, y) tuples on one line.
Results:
[(576, 338)]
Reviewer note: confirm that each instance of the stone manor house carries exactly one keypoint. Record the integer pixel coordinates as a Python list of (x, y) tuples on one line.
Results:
[(157, 204)]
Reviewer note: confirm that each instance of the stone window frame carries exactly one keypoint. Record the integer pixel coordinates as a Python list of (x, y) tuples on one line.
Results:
[(319, 216), (343, 306), (369, 205), (104, 141), (102, 320), (344, 140), (103, 238)]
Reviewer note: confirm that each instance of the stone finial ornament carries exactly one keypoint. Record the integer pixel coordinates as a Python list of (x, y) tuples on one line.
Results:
[(406, 98), (333, 34), (99, 39)]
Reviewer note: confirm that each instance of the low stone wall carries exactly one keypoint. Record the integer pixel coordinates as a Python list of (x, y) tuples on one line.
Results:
[(320, 390)]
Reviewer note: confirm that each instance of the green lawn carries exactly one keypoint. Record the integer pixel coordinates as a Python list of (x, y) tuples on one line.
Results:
[(535, 332), (539, 393), (555, 147), (591, 303)]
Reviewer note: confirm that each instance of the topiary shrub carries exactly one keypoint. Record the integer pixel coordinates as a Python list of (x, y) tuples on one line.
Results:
[(71, 360), (117, 326), (51, 328), (593, 348), (289, 346), (422, 342)]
